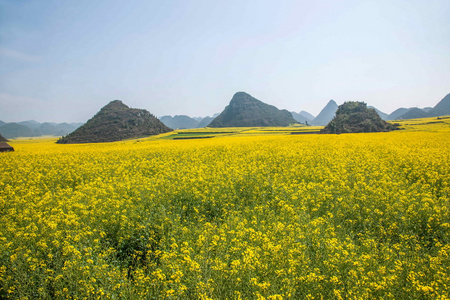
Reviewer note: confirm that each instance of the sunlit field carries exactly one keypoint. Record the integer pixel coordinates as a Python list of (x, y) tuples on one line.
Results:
[(245, 214)]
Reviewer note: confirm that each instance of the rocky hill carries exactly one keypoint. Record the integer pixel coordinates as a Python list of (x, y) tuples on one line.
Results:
[(326, 114), (354, 117), (246, 111), (115, 122)]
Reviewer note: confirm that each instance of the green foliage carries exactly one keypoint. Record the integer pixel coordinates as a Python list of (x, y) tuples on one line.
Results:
[(246, 111), (116, 122), (355, 117)]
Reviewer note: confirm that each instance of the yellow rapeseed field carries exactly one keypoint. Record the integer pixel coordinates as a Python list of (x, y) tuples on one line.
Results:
[(269, 216)]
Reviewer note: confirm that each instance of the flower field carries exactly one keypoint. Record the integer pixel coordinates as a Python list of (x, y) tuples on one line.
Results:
[(269, 216)]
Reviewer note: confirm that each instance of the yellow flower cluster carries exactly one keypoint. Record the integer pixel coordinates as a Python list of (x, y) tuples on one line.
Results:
[(355, 216)]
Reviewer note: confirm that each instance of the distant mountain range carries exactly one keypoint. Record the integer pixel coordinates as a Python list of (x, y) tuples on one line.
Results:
[(246, 111), (413, 113), (302, 117), (441, 109), (179, 122), (185, 122), (33, 128)]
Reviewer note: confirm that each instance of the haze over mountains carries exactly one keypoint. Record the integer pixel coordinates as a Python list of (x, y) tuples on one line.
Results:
[(440, 109), (244, 110), (33, 129), (326, 114), (185, 122), (303, 117)]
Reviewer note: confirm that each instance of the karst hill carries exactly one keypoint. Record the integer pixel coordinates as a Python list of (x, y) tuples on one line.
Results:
[(354, 117), (115, 122), (246, 111)]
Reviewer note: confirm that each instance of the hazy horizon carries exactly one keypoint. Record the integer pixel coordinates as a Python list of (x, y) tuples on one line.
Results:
[(173, 115), (62, 62)]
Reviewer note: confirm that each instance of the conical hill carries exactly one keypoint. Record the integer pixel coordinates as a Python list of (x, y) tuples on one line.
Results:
[(246, 111), (354, 117), (116, 122)]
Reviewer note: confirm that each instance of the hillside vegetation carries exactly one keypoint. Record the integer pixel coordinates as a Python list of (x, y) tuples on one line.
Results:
[(116, 122), (355, 117), (246, 111)]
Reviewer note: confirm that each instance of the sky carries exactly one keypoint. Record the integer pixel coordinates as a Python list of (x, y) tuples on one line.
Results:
[(62, 61)]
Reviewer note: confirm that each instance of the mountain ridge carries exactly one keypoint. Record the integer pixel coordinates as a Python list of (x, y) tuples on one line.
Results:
[(32, 128), (179, 122), (302, 117), (442, 108), (22, 129)]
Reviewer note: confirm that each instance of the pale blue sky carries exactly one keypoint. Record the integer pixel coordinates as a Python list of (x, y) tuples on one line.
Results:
[(63, 60)]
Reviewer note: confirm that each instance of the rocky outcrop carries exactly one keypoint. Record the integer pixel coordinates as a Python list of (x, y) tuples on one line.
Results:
[(115, 122), (246, 111)]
